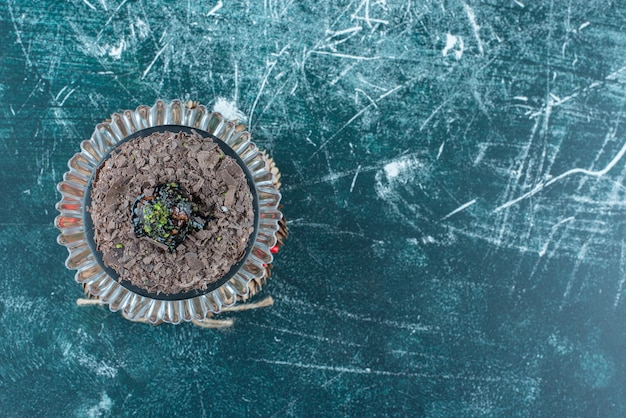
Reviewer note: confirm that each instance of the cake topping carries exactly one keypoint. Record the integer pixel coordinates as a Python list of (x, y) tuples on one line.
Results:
[(167, 216)]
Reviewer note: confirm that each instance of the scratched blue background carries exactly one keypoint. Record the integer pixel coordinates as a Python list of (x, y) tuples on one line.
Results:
[(454, 183)]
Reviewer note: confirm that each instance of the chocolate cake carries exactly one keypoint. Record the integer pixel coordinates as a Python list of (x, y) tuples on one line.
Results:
[(171, 212)]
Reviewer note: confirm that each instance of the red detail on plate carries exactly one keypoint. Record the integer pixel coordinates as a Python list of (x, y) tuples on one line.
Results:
[(274, 249), (66, 222)]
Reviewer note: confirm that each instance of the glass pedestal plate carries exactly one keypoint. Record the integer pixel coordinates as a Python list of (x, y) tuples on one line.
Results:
[(73, 221)]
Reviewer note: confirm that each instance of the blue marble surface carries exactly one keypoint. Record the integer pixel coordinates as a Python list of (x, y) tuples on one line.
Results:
[(453, 178)]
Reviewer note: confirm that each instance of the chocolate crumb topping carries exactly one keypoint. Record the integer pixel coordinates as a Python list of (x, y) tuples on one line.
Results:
[(177, 184)]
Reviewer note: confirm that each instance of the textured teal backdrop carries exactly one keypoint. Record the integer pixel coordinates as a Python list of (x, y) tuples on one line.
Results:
[(446, 256)]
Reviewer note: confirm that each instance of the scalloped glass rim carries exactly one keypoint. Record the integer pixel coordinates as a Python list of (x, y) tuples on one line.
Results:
[(70, 222)]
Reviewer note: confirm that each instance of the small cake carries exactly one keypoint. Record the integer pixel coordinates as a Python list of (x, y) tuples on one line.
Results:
[(171, 212)]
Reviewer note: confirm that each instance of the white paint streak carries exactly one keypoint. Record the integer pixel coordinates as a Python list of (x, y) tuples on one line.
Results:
[(293, 90), (89, 4), (441, 149), (342, 74), (341, 369), (372, 101), (620, 287), (543, 185), (347, 56), (351, 30), (358, 169), (571, 218), (393, 90), (475, 27), (156, 57), (459, 209), (367, 370), (18, 36), (67, 96), (56, 98), (371, 19), (215, 8)]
